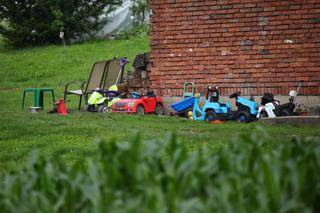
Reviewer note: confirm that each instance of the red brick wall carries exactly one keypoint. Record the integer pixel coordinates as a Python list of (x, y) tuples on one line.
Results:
[(254, 46)]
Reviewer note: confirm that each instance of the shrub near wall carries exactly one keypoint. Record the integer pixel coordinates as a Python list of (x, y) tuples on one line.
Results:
[(164, 176), (254, 46)]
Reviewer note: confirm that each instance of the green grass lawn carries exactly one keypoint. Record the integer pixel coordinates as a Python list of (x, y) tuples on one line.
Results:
[(68, 137)]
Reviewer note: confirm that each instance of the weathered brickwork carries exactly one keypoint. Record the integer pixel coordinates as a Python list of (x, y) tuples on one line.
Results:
[(254, 46)]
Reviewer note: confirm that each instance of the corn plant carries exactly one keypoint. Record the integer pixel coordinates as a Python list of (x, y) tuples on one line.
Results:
[(164, 176)]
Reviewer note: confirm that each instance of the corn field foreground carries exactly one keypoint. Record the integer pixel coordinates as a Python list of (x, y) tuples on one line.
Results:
[(163, 176)]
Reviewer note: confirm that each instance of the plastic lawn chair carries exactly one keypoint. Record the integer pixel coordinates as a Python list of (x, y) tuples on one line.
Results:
[(37, 96), (102, 74)]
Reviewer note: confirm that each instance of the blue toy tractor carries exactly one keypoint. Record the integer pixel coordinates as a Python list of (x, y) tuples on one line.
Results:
[(214, 110), (247, 109)]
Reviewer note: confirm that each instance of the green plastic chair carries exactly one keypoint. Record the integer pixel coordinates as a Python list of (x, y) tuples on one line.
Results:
[(37, 96)]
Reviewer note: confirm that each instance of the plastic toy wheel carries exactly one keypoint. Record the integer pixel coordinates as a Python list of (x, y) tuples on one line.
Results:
[(140, 110), (285, 113), (263, 114), (103, 108), (210, 116), (159, 109), (188, 113), (243, 117), (87, 108)]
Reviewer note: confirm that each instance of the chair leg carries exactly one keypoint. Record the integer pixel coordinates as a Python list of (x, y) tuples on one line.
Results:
[(53, 99), (23, 98), (41, 97), (37, 98), (80, 100)]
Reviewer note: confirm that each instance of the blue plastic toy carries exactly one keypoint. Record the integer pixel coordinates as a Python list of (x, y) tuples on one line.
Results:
[(211, 110), (214, 110), (183, 105)]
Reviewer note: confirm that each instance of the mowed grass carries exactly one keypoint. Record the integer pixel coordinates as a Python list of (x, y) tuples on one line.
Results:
[(53, 66), (73, 136)]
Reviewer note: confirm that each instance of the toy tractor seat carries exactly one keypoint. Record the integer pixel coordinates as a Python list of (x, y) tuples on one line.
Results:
[(112, 92), (267, 98), (151, 94), (235, 95), (212, 94)]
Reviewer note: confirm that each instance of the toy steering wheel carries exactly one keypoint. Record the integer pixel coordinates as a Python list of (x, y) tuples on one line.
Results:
[(112, 93), (235, 95)]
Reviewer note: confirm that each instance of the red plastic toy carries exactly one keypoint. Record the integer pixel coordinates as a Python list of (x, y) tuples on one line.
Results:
[(61, 107), (140, 104)]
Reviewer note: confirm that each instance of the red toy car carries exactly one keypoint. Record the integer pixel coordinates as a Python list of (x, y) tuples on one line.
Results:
[(140, 104)]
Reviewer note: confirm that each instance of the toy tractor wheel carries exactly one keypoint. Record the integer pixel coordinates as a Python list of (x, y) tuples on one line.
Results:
[(263, 114), (210, 116), (285, 113), (140, 110), (87, 108), (159, 109), (244, 117), (103, 108), (188, 112)]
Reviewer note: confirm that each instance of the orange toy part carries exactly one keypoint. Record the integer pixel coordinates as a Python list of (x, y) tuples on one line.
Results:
[(216, 122)]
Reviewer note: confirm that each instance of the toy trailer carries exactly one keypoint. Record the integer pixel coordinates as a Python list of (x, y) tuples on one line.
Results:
[(182, 107)]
